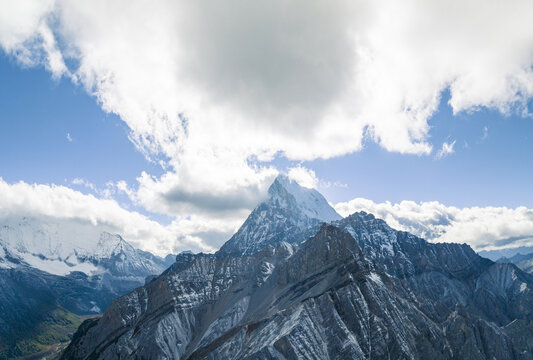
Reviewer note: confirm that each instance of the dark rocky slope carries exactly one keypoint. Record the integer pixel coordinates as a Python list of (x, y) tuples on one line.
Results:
[(324, 301)]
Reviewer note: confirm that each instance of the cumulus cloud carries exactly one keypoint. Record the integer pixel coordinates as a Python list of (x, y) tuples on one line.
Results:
[(24, 32), (303, 78), (215, 90), (483, 228), (51, 202), (20, 21), (211, 188)]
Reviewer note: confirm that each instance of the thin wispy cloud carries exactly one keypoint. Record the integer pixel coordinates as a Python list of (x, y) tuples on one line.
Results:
[(447, 149), (83, 182), (485, 133), (69, 138)]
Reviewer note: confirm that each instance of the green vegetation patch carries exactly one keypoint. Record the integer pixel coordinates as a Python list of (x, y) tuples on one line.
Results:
[(56, 328)]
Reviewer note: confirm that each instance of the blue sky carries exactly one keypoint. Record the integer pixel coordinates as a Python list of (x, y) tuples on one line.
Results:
[(491, 170), (38, 113), (362, 103)]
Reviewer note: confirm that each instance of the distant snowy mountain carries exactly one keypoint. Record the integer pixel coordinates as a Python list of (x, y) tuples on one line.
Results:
[(60, 248), (98, 271), (290, 213), (523, 261), (50, 238), (51, 274), (494, 255)]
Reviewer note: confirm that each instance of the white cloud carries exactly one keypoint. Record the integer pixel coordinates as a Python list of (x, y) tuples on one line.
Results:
[(483, 228), (209, 186), (259, 75), (54, 59), (307, 178), (24, 32), (69, 138), (213, 89), (20, 20), (447, 149)]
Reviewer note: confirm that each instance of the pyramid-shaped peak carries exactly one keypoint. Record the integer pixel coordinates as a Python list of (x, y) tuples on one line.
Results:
[(110, 239), (309, 201), (289, 214), (112, 244)]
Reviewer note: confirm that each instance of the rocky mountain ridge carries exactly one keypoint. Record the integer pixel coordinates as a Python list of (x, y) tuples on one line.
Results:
[(355, 289)]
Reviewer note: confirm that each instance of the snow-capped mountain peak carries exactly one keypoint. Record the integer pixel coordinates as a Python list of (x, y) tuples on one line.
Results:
[(110, 245), (290, 213), (60, 248), (309, 201)]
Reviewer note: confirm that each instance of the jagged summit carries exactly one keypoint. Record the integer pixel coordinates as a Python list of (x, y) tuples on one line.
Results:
[(309, 201), (291, 213), (112, 244)]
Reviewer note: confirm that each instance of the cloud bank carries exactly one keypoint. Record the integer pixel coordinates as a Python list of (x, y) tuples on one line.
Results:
[(483, 228), (61, 205)]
